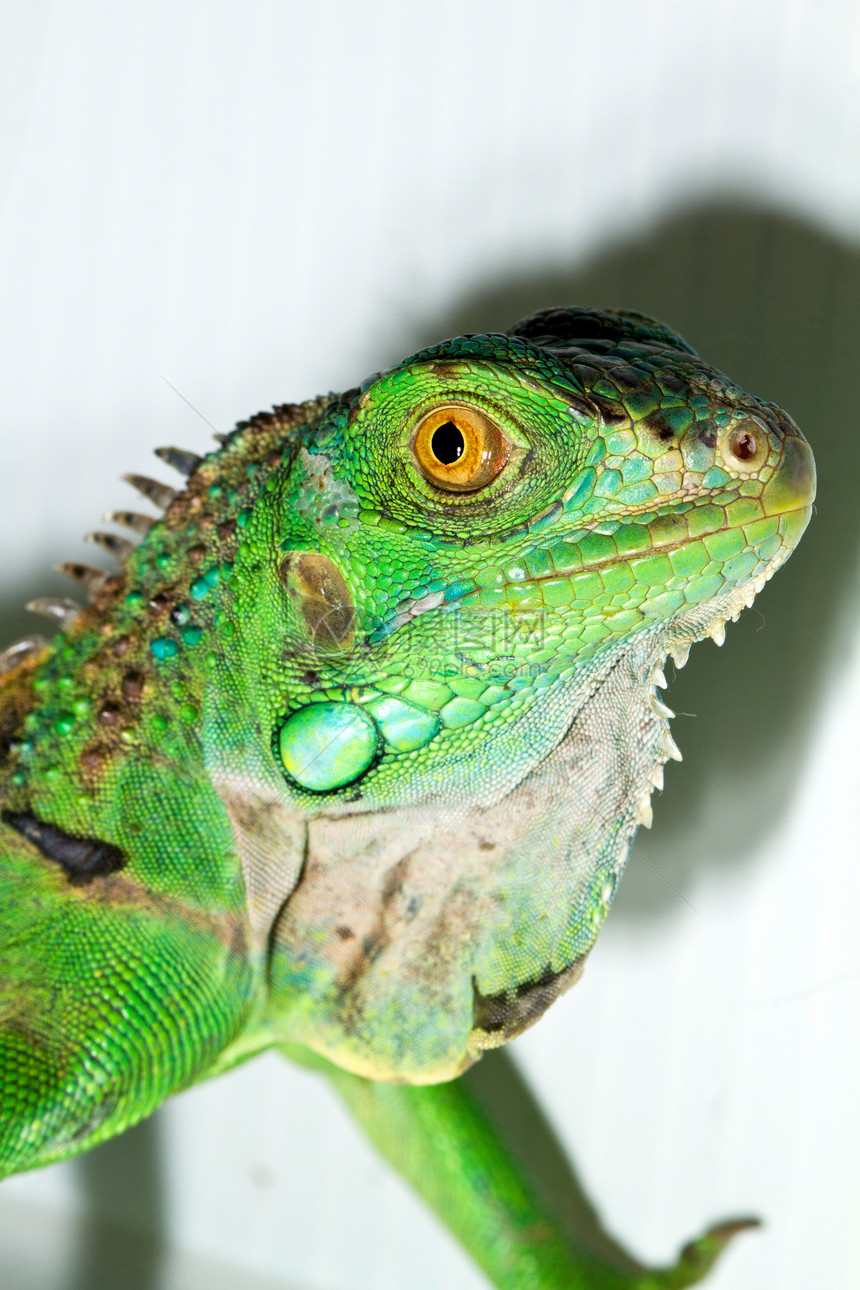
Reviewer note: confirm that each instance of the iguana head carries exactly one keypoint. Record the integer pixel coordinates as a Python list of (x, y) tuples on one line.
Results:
[(414, 634), (480, 524)]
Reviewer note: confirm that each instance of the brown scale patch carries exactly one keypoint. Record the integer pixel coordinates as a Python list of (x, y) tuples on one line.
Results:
[(105, 597), (22, 1019), (160, 601), (92, 760), (98, 755), (132, 686), (16, 700), (255, 438)]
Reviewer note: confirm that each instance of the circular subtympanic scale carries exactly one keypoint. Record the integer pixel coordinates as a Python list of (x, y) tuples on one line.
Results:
[(325, 746)]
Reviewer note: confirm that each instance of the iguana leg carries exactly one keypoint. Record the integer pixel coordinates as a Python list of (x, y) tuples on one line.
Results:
[(441, 1141)]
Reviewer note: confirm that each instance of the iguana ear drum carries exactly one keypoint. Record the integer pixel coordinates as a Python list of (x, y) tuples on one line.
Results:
[(459, 448), (323, 597)]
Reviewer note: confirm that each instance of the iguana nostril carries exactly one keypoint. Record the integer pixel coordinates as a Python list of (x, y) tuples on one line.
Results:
[(744, 445)]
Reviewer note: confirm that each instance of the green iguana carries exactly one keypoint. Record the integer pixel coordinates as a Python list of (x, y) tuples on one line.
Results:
[(348, 757)]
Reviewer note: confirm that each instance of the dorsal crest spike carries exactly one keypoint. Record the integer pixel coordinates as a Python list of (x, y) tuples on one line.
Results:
[(152, 489), (185, 462), (116, 546), (84, 574), (130, 520), (19, 652), (62, 609)]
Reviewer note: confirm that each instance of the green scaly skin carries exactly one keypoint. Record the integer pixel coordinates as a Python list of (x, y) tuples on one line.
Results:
[(348, 764)]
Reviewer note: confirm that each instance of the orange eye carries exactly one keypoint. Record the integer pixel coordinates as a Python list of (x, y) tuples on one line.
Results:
[(458, 448)]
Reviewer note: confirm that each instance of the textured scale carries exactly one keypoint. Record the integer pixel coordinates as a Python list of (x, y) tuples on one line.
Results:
[(345, 762)]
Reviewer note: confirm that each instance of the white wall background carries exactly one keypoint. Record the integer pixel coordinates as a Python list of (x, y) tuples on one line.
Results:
[(261, 201)]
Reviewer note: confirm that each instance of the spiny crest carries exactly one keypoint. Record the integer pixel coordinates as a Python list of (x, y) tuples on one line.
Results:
[(251, 441)]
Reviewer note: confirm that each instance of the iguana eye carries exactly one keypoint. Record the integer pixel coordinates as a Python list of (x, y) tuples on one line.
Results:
[(459, 448)]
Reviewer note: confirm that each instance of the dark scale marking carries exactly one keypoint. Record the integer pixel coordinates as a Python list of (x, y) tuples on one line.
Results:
[(579, 406), (103, 1107), (626, 377), (82, 858), (513, 1011), (660, 426), (611, 413), (673, 385)]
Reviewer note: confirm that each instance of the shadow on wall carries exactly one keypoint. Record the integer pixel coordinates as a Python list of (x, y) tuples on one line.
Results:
[(776, 303), (121, 1243)]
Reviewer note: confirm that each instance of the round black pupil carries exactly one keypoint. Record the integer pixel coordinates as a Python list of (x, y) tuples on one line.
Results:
[(447, 443)]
